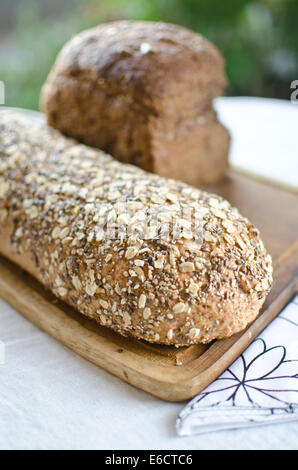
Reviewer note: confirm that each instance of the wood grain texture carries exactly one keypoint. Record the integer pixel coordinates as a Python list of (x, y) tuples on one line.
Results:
[(166, 372)]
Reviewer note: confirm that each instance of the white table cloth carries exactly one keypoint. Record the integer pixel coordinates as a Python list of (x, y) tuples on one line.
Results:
[(51, 398)]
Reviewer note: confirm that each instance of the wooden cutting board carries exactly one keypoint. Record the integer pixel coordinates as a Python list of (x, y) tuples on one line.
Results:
[(167, 372)]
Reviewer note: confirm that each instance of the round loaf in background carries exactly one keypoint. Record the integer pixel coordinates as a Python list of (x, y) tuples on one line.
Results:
[(151, 258), (148, 59), (143, 92)]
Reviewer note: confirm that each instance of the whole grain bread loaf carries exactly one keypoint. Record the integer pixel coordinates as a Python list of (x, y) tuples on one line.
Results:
[(149, 257), (143, 92)]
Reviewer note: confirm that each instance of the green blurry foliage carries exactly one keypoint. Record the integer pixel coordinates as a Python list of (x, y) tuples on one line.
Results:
[(259, 40)]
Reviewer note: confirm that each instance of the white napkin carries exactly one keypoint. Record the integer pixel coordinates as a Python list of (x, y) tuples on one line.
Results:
[(260, 387)]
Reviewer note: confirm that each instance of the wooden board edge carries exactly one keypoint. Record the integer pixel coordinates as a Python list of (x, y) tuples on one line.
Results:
[(178, 384), (262, 178)]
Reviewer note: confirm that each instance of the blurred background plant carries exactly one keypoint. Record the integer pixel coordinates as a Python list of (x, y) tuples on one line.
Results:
[(259, 39)]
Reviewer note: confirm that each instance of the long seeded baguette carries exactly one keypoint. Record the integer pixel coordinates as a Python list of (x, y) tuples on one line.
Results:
[(146, 256)]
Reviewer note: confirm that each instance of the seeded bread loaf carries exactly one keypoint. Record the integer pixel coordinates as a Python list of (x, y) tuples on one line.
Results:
[(148, 257), (143, 92)]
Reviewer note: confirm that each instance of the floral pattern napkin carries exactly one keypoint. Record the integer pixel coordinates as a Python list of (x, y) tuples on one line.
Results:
[(260, 387)]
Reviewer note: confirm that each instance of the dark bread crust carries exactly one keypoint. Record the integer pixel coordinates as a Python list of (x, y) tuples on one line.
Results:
[(135, 90)]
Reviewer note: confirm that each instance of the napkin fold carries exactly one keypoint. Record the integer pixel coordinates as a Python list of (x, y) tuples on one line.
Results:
[(260, 387)]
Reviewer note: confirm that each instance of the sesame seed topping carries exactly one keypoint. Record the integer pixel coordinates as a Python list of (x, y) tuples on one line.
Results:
[(208, 237), (139, 262), (179, 308), (56, 232), (142, 300), (194, 333), (159, 262), (62, 291), (131, 252), (104, 304), (126, 319), (187, 267), (229, 226), (170, 334), (146, 313)]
